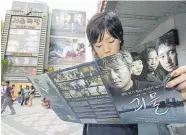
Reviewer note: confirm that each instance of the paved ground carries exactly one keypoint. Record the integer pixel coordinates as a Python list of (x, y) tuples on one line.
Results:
[(36, 120)]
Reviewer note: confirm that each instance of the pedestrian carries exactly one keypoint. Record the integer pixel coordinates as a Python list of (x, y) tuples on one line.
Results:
[(32, 92), (12, 93), (20, 93), (26, 92), (8, 99), (3, 88)]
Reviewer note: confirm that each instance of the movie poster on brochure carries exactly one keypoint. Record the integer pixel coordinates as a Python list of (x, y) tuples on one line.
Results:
[(83, 89), (66, 51), (68, 23), (47, 89), (136, 83)]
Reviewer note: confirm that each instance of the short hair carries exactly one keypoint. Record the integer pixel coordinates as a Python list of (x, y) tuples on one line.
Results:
[(8, 82), (167, 39), (145, 53), (135, 56), (113, 61), (104, 21), (45, 70), (27, 87)]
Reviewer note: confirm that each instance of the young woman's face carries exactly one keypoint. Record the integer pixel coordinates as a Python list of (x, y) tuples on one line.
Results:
[(108, 46), (137, 67)]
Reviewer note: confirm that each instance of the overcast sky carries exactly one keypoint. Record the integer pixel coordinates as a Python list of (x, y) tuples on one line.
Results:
[(89, 6)]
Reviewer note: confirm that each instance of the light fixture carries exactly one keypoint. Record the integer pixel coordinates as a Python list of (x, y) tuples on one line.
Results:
[(131, 27)]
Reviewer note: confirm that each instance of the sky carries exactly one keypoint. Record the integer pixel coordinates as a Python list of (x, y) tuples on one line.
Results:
[(88, 6)]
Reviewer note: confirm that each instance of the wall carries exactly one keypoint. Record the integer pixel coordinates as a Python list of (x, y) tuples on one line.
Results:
[(175, 22)]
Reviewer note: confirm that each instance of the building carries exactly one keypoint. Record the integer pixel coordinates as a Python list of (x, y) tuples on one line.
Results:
[(24, 41)]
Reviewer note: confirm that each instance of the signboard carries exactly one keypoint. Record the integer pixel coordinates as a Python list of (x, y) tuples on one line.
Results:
[(68, 23), (66, 51), (18, 22)]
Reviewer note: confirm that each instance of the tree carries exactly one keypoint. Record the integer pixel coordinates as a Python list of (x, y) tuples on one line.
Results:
[(5, 65), (2, 26)]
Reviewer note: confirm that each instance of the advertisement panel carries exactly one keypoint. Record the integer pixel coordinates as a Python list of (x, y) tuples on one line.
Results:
[(68, 23)]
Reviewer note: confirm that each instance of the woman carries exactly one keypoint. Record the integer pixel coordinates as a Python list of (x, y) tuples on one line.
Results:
[(105, 34), (138, 72), (32, 92), (26, 92), (20, 94)]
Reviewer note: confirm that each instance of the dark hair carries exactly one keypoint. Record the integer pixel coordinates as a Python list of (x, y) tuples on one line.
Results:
[(45, 70), (145, 53), (13, 85), (135, 56), (104, 21), (7, 82), (167, 39), (27, 87), (32, 87)]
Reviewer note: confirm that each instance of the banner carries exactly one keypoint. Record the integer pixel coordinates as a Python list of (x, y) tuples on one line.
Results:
[(68, 23), (66, 51)]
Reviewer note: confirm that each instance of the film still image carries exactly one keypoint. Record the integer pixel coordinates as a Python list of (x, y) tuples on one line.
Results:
[(66, 94), (78, 84), (93, 81), (80, 93), (63, 86), (68, 75), (71, 75), (98, 90), (88, 70)]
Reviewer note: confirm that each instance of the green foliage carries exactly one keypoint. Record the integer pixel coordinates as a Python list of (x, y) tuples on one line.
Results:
[(2, 26), (5, 65)]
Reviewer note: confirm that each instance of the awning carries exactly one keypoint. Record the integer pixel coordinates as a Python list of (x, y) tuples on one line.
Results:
[(140, 18)]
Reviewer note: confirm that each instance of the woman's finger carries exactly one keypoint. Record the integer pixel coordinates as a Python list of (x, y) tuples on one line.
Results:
[(182, 86), (179, 71), (183, 93), (176, 81)]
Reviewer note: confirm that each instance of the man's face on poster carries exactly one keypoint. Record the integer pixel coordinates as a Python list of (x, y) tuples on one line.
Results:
[(117, 78), (167, 57), (152, 61)]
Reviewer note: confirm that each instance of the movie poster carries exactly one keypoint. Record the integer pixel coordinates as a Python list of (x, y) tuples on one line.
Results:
[(23, 61), (66, 51), (68, 23), (137, 83)]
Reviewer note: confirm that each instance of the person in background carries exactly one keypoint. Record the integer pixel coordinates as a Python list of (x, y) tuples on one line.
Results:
[(3, 88), (8, 99), (32, 92), (45, 103), (26, 92), (20, 94), (12, 93), (108, 25)]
